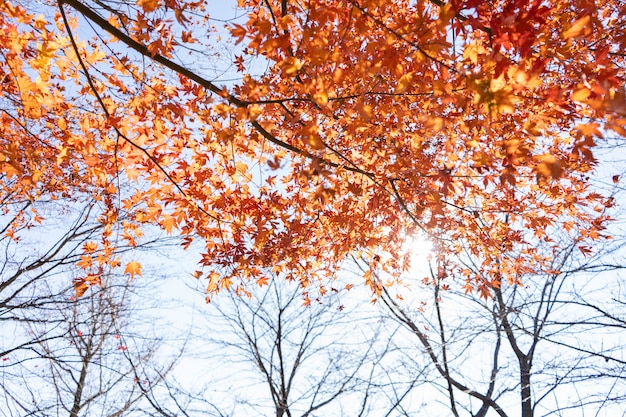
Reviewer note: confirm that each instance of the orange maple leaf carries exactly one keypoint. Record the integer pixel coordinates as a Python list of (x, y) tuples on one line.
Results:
[(133, 268), (149, 5)]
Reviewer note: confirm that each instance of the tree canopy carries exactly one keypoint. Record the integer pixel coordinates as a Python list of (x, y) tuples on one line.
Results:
[(473, 123)]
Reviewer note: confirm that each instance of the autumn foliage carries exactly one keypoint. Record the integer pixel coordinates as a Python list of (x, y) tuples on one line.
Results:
[(473, 122)]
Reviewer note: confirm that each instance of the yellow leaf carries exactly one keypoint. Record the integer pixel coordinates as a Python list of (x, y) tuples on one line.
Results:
[(589, 129), (90, 247), (581, 27), (168, 223), (8, 169), (436, 123), (84, 262), (81, 285), (133, 268), (254, 111), (291, 66), (315, 141), (581, 94), (446, 12), (313, 136), (472, 51), (404, 82), (321, 98), (365, 110), (549, 166)]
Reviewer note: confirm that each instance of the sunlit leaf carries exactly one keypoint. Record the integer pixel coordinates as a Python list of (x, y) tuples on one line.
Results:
[(133, 268)]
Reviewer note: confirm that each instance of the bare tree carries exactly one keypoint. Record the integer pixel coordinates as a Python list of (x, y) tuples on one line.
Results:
[(83, 356), (550, 347), (271, 355), (31, 258), (63, 354)]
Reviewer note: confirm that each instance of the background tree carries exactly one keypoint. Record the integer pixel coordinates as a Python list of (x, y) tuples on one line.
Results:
[(550, 347), (68, 348), (268, 355), (81, 356), (30, 260)]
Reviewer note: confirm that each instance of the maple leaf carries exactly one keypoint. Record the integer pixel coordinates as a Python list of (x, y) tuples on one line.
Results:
[(80, 287), (404, 82), (585, 250), (291, 66), (168, 223), (239, 32), (149, 5), (133, 268), (90, 247), (581, 94), (473, 50), (549, 166), (8, 169), (580, 27)]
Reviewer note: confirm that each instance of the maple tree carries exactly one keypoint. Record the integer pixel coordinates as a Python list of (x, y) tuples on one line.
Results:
[(471, 122)]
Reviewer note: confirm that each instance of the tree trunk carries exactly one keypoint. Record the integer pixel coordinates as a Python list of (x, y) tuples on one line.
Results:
[(527, 408)]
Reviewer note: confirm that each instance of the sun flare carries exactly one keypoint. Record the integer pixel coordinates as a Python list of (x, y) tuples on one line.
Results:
[(420, 250)]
